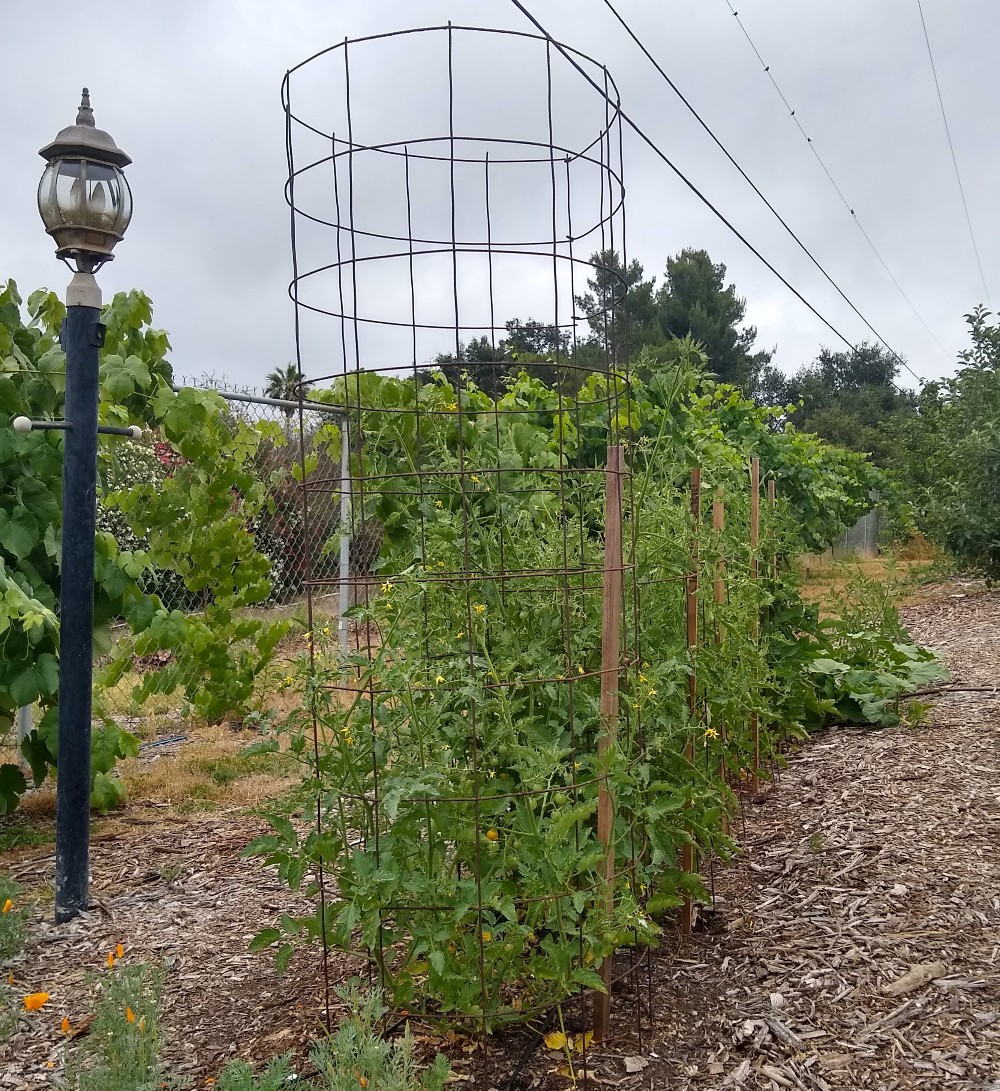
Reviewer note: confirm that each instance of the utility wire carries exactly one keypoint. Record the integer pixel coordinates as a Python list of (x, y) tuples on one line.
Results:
[(951, 148), (831, 179), (701, 197)]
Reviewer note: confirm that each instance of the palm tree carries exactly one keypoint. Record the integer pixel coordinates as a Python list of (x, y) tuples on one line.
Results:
[(284, 384)]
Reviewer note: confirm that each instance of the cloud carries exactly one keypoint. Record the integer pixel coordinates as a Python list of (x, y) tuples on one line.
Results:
[(191, 91)]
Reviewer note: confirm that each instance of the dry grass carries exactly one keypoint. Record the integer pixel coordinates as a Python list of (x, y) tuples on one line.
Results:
[(208, 769), (903, 571)]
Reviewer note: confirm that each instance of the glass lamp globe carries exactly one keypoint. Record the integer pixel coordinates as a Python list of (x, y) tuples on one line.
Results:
[(83, 196)]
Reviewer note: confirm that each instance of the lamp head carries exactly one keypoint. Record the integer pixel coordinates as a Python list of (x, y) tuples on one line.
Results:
[(83, 196)]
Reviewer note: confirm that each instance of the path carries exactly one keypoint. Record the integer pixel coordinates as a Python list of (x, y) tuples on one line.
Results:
[(878, 853)]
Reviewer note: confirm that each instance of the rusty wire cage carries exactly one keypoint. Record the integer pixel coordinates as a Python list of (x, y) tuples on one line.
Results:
[(477, 747)]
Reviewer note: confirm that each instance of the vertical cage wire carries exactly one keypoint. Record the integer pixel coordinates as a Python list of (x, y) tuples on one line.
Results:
[(456, 746)]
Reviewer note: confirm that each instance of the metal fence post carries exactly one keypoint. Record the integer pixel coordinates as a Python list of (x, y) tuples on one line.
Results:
[(345, 534)]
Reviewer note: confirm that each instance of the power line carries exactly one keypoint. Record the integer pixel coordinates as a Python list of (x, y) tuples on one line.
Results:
[(951, 147), (701, 197), (832, 180)]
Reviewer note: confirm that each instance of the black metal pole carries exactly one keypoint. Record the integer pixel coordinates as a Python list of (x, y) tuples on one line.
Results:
[(82, 339)]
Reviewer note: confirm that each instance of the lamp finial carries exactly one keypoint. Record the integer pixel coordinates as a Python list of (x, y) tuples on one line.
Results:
[(86, 114)]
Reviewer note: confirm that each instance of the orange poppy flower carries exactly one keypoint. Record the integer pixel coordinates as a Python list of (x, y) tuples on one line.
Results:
[(34, 1001), (64, 1025), (119, 951), (8, 905), (129, 1015), (111, 959)]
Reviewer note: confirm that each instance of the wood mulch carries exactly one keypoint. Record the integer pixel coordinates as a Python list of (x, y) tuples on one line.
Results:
[(855, 943), (174, 893)]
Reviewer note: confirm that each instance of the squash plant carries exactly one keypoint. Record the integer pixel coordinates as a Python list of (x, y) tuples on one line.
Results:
[(194, 525)]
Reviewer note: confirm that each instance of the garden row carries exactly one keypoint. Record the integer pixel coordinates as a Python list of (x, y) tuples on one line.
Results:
[(500, 802)]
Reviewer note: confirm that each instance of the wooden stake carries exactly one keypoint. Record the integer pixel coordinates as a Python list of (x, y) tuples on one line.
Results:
[(772, 503), (689, 862), (610, 663), (754, 541), (719, 594)]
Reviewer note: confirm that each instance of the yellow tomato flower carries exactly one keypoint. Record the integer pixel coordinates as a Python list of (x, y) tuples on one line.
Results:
[(458, 636), (35, 1001), (479, 608), (129, 1015), (437, 503), (652, 693), (8, 905), (580, 670), (451, 406), (386, 587), (472, 477), (711, 733), (487, 936), (439, 679), (643, 678)]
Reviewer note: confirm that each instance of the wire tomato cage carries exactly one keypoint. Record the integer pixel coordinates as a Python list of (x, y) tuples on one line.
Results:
[(455, 195)]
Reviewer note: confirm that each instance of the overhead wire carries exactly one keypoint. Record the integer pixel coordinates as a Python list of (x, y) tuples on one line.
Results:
[(833, 182), (716, 211), (951, 148)]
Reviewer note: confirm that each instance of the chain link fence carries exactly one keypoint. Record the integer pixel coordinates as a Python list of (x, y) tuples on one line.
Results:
[(300, 542)]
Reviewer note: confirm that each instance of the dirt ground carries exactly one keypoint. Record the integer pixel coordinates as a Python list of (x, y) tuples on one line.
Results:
[(855, 942)]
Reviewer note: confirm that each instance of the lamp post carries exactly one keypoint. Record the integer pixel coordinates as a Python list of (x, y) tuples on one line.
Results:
[(85, 204)]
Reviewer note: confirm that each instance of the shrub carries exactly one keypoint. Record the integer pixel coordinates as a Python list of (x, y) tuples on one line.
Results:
[(239, 1076), (358, 1057)]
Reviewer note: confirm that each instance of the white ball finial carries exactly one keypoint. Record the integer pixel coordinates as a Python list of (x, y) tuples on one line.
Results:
[(21, 425), (135, 431)]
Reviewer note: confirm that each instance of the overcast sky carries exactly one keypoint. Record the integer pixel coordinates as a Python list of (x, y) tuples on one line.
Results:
[(191, 90)]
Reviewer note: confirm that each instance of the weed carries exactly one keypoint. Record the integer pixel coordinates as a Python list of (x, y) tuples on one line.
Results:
[(358, 1057), (229, 768), (914, 712), (122, 1051), (20, 835), (816, 844), (10, 1010), (13, 919)]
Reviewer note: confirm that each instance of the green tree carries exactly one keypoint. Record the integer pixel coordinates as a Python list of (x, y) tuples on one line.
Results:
[(534, 339), (285, 384), (949, 459), (479, 362), (851, 399), (695, 301), (620, 307)]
